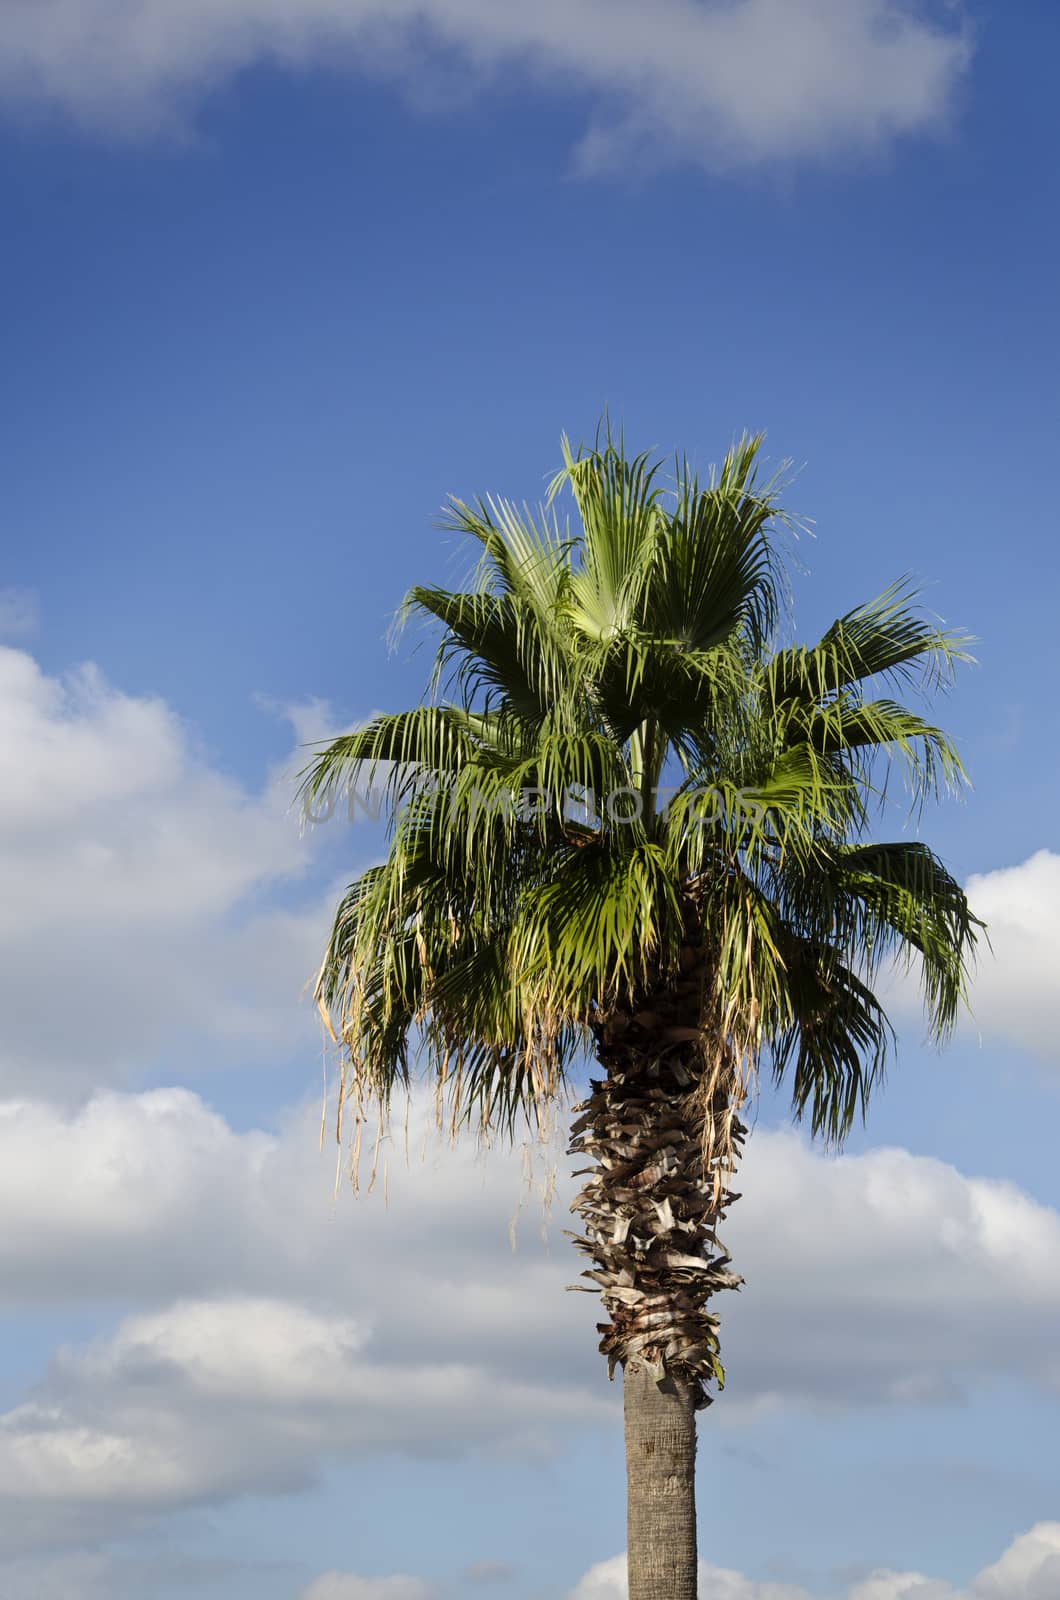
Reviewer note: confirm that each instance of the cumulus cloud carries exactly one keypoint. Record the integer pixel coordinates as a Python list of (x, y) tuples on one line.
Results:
[(133, 874), (723, 82), (209, 1399), (884, 1277), (154, 1197), (1028, 1570), (299, 1333), (1016, 994), (865, 1274), (277, 1329)]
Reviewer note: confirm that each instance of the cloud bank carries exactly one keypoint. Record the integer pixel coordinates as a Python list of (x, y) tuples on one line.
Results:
[(273, 1330), (1028, 1570), (723, 83)]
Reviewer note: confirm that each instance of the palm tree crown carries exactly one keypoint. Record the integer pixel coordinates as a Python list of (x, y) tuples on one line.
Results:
[(621, 748)]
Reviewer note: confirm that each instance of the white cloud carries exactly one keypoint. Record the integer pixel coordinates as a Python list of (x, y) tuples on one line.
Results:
[(1016, 994), (277, 1329), (723, 82), (346, 1586), (299, 1334), (602, 1581), (209, 1399), (154, 1196), (901, 1586), (1028, 1570), (133, 872), (873, 1265), (607, 1581), (884, 1277)]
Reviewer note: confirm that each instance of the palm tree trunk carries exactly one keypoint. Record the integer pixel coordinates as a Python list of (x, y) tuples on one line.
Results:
[(650, 1209), (661, 1485)]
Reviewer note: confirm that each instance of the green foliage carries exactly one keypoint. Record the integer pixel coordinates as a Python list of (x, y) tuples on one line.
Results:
[(617, 735)]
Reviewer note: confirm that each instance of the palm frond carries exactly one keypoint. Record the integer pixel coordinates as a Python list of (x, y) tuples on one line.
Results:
[(833, 1050), (539, 874), (886, 638)]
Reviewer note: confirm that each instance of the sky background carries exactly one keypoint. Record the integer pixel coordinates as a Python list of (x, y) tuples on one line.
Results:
[(276, 281)]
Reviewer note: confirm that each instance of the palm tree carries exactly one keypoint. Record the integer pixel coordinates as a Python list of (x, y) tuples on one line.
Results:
[(627, 821)]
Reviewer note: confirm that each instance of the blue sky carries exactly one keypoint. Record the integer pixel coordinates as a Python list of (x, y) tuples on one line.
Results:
[(274, 286)]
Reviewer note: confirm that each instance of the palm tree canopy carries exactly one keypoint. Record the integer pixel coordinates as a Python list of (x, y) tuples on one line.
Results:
[(617, 732)]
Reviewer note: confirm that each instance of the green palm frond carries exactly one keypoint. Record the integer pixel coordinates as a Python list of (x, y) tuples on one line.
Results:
[(886, 638), (618, 501), (899, 900), (834, 1048), (596, 931), (620, 749), (717, 573), (394, 752)]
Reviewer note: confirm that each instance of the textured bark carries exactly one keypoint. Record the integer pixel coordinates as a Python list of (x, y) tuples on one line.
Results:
[(654, 1198), (661, 1489), (656, 1190)]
